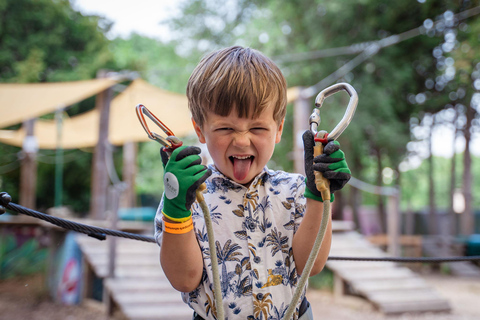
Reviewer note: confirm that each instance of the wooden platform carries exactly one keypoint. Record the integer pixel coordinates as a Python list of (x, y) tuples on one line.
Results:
[(139, 289), (432, 247), (390, 287)]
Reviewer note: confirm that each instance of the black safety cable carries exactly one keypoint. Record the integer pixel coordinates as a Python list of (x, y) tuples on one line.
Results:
[(95, 232), (101, 233)]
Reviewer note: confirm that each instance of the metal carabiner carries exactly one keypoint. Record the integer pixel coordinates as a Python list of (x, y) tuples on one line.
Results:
[(170, 142), (315, 119), (322, 137)]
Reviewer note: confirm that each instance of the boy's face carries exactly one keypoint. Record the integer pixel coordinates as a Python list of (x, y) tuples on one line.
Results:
[(240, 147)]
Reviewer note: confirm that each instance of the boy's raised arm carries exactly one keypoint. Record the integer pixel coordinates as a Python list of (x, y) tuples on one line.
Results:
[(180, 254), (333, 166)]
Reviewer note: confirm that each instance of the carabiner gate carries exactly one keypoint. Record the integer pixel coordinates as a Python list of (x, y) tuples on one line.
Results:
[(170, 142), (314, 120)]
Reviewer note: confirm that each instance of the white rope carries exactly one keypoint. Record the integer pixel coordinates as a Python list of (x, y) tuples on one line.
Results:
[(311, 260), (217, 290)]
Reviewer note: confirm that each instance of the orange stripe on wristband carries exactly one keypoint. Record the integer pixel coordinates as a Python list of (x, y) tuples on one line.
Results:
[(178, 228)]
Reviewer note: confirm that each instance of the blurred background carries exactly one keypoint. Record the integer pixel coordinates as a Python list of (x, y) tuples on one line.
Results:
[(416, 126), (415, 65)]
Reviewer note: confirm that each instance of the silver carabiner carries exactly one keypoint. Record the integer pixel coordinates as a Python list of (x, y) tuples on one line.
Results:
[(315, 119)]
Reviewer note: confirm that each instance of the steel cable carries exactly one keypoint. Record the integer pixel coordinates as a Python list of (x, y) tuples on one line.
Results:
[(100, 233)]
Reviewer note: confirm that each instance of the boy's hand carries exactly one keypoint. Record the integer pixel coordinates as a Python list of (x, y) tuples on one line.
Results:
[(331, 164), (184, 173)]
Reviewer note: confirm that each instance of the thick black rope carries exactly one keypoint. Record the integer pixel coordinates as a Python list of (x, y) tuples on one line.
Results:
[(95, 232), (100, 234)]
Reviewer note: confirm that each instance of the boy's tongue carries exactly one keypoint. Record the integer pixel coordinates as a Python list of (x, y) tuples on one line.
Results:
[(241, 168)]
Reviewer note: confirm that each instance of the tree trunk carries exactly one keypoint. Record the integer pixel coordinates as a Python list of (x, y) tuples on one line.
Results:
[(381, 203), (355, 200), (98, 200), (301, 113), (467, 218), (452, 227), (433, 223), (338, 206), (129, 172)]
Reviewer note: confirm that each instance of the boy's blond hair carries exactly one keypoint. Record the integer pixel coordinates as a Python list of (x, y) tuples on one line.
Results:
[(236, 78)]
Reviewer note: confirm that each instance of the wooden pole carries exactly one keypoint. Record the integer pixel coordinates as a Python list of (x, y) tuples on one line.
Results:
[(128, 199), (100, 180), (301, 113), (393, 224), (467, 217), (28, 169)]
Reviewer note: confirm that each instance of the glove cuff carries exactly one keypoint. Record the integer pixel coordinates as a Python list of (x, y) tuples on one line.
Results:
[(182, 219), (173, 212), (309, 194)]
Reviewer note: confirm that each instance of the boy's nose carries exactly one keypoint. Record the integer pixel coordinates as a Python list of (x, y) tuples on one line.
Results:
[(241, 140)]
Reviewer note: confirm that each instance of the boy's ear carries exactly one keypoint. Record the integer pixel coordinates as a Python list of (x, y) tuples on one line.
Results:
[(199, 132), (278, 136)]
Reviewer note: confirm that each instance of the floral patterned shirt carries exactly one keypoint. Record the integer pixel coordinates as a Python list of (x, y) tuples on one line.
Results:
[(254, 230)]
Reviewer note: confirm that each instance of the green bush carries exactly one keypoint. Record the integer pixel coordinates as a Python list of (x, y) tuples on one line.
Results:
[(21, 260)]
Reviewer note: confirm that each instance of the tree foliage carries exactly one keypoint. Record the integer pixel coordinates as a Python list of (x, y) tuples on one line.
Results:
[(45, 40), (283, 29)]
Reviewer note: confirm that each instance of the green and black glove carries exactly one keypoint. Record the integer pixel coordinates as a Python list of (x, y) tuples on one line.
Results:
[(331, 164), (183, 174)]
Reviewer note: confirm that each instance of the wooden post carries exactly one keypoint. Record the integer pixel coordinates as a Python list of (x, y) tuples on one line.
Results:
[(98, 198), (128, 199), (467, 222), (393, 224), (28, 169), (301, 113), (114, 195)]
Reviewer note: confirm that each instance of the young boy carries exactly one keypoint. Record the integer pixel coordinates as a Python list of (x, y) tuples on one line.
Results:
[(265, 222)]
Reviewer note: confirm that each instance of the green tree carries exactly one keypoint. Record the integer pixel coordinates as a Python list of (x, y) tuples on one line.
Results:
[(45, 41), (156, 61)]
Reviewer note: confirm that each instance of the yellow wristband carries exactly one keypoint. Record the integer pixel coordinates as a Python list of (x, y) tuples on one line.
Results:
[(178, 228)]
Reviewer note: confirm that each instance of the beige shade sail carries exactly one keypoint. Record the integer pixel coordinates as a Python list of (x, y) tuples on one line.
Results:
[(82, 131), (170, 108), (21, 102), (292, 94), (77, 132)]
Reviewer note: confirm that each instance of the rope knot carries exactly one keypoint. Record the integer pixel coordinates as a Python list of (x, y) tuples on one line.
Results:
[(5, 199)]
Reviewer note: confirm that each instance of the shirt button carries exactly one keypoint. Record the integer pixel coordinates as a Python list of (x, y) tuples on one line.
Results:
[(257, 259)]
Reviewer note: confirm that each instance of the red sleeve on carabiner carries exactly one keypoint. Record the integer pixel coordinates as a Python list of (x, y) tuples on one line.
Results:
[(323, 140)]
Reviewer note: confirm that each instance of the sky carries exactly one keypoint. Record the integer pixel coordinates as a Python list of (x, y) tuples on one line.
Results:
[(144, 17), (140, 16)]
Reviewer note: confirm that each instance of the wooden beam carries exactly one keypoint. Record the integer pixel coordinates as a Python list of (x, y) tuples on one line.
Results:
[(28, 169), (100, 182), (128, 199), (301, 113)]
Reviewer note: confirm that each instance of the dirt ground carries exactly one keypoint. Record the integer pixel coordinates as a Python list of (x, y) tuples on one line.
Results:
[(25, 298)]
